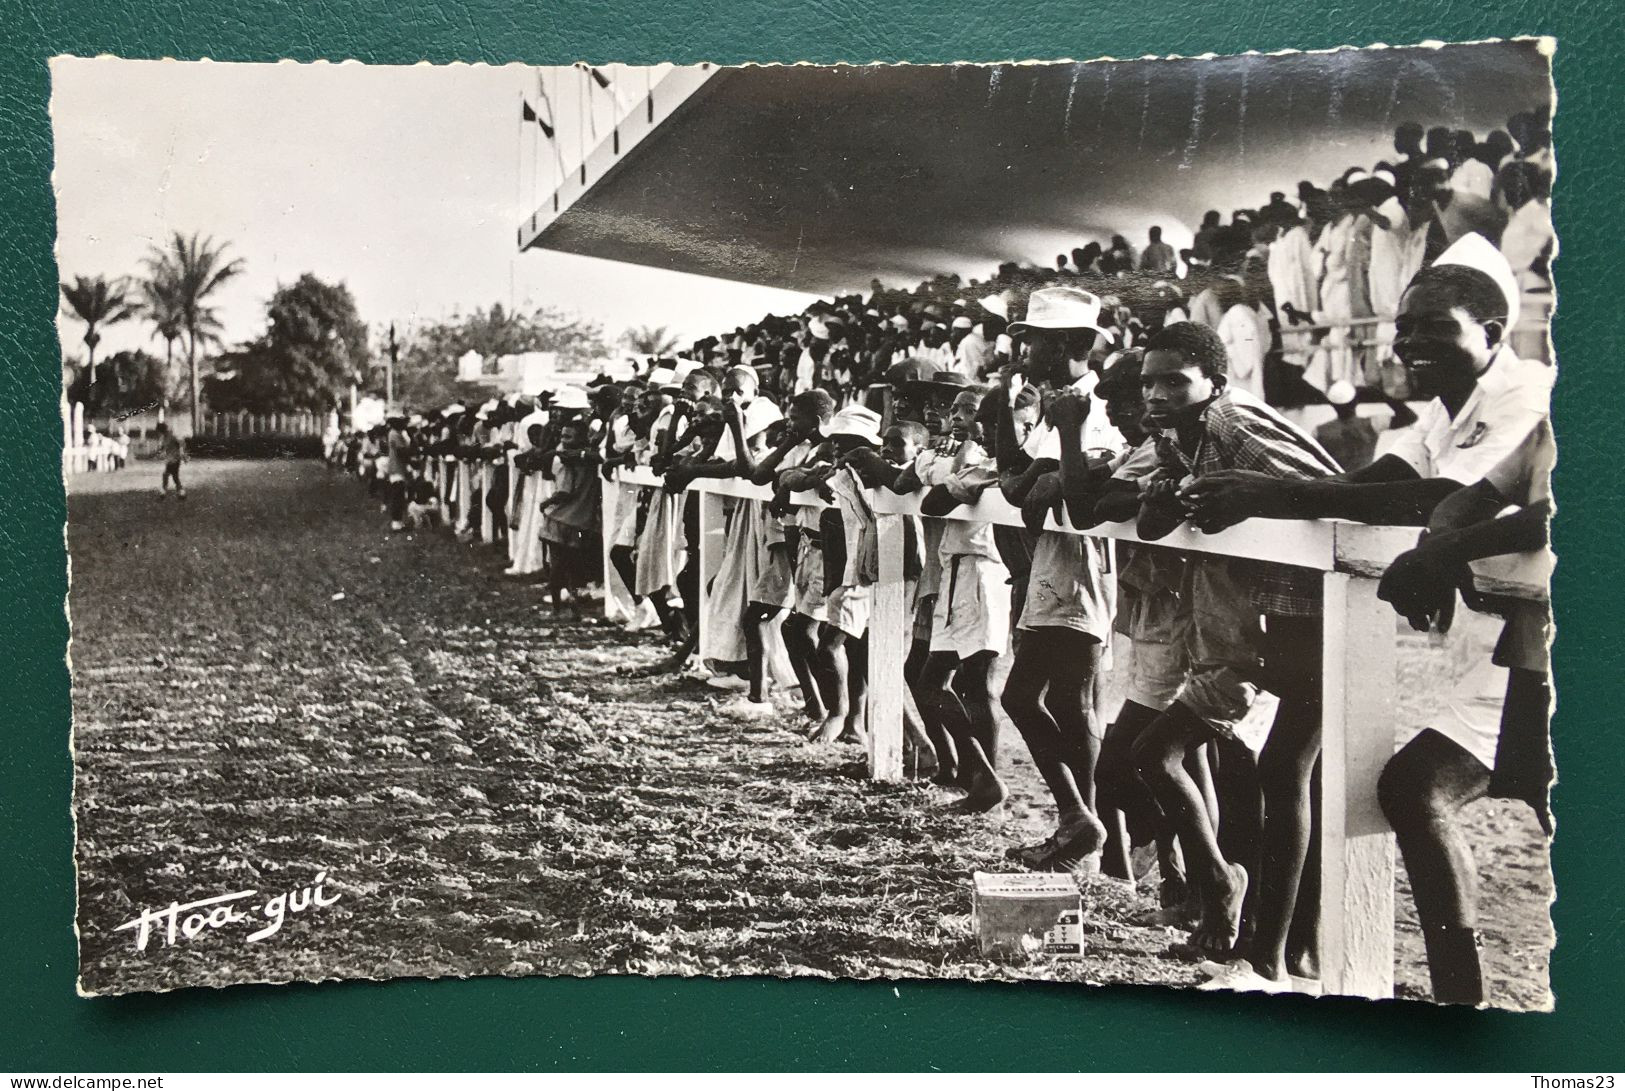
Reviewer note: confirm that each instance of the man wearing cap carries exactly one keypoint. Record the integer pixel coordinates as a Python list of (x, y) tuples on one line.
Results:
[(844, 647), (1451, 337), (1052, 692), (971, 350), (1398, 250)]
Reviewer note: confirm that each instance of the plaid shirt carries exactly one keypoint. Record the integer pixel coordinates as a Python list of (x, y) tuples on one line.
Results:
[(1240, 432)]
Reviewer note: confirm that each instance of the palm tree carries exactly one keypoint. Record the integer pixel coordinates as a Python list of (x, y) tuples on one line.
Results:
[(99, 303), (651, 340), (194, 268), (161, 303)]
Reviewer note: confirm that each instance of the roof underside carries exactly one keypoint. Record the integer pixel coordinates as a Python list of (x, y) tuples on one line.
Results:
[(817, 179)]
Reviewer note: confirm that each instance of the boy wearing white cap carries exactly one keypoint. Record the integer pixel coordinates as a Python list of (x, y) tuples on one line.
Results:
[(1451, 336), (1436, 773), (809, 414), (842, 663)]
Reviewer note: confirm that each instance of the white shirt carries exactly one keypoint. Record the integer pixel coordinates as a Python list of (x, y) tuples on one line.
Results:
[(1511, 400), (805, 369), (1528, 231), (1396, 256), (1474, 177), (972, 356), (1239, 330), (1098, 433)]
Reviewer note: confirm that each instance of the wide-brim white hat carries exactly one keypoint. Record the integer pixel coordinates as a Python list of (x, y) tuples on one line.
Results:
[(758, 416), (1063, 309), (570, 397), (856, 420)]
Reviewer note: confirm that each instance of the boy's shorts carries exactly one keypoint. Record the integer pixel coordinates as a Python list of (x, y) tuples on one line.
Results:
[(1471, 716), (775, 583), (809, 580), (1151, 673), (1224, 646), (973, 607), (925, 608), (849, 608), (626, 516)]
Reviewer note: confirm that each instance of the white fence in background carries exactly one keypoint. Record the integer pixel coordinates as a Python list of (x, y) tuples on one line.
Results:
[(1358, 687), (261, 424)]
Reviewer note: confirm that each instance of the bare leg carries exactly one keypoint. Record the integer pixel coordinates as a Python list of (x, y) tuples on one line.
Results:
[(917, 672), (801, 643), (830, 668), (759, 622), (1284, 770), (1062, 748), (1160, 757), (1421, 790)]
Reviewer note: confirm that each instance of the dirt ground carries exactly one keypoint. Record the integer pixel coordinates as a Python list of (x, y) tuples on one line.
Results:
[(268, 686)]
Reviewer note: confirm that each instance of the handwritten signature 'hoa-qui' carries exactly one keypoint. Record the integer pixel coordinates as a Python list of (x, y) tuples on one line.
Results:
[(190, 919)]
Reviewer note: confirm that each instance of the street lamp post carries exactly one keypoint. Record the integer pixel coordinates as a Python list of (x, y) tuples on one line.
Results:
[(389, 375)]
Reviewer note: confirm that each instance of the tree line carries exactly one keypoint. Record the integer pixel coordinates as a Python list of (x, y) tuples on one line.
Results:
[(313, 355)]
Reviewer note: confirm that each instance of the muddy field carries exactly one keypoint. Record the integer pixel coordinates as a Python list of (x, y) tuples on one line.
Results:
[(268, 686)]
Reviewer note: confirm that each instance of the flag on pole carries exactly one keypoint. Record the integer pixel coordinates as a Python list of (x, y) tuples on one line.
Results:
[(527, 113)]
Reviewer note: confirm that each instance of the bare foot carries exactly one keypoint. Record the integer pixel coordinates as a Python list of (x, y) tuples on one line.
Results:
[(1221, 916), (828, 730), (987, 792)]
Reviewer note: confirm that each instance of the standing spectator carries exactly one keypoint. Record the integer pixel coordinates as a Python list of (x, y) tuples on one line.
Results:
[(397, 450), (1348, 437), (1529, 238), (1291, 264), (1245, 336), (1206, 244), (1158, 257), (172, 449), (1398, 248), (971, 350)]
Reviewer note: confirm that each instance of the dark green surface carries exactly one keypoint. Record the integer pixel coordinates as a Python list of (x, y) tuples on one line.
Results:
[(635, 1023)]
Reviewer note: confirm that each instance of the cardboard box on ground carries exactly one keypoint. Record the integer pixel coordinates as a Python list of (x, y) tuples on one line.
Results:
[(1026, 914)]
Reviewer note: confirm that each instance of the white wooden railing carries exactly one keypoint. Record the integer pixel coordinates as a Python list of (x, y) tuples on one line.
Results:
[(1358, 687)]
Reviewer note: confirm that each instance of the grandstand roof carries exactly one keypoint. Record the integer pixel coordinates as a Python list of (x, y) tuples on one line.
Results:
[(817, 178)]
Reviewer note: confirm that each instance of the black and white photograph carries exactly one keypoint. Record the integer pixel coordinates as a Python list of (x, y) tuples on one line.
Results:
[(1067, 521)]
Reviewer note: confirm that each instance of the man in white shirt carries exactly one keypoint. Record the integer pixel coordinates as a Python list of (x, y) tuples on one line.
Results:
[(971, 350), (1052, 691), (1398, 248), (1452, 332)]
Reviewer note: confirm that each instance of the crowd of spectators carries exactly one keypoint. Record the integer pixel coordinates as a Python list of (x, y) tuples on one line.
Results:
[(1117, 387), (1302, 289)]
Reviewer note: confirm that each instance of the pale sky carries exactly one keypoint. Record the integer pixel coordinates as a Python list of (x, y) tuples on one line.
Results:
[(405, 183)]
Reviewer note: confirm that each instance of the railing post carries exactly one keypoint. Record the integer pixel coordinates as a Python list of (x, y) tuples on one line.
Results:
[(890, 629), (609, 498), (712, 539), (1357, 846)]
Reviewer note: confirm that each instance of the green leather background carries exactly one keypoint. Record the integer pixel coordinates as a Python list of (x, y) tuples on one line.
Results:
[(637, 1023)]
